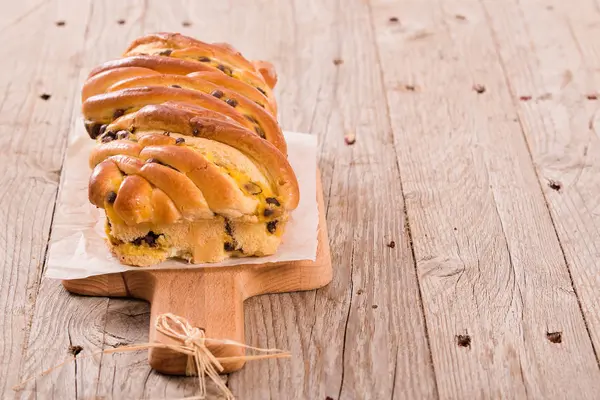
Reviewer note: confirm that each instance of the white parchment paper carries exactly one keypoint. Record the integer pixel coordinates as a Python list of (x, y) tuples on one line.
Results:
[(77, 247)]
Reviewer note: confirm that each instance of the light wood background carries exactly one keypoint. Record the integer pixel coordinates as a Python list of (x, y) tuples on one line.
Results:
[(477, 154)]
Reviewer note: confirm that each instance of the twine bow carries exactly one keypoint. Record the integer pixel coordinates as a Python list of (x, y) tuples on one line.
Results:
[(200, 362)]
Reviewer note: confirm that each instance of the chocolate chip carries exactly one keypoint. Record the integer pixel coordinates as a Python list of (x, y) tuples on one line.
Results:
[(121, 22), (228, 227), (179, 140), (227, 246), (268, 212), (122, 134), (176, 86), (261, 90), (186, 23), (391, 244), (151, 238), (204, 59), (108, 137), (165, 52), (253, 188), (592, 97), (196, 132), (45, 96), (118, 113), (338, 61), (111, 197), (272, 226), (260, 132), (93, 130), (525, 98), (224, 69), (272, 200), (60, 23), (393, 19), (232, 102), (217, 93)]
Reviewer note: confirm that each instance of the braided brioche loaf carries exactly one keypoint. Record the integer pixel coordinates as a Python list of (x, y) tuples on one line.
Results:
[(190, 161)]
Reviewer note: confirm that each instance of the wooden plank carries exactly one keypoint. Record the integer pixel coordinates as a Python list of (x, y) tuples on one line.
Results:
[(553, 57), (128, 375), (62, 321), (30, 157), (343, 347), (22, 12), (493, 278)]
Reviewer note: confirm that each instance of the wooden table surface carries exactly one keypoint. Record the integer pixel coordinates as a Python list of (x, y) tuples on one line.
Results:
[(464, 222)]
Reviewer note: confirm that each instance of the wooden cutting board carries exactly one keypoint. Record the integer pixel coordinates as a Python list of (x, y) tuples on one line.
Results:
[(211, 298)]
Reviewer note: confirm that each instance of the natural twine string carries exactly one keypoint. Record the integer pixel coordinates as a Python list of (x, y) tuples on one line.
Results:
[(200, 362)]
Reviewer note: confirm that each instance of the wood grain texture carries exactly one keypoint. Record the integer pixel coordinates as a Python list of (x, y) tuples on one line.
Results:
[(552, 56), (496, 246), (31, 139), (343, 346), (62, 322), (493, 277)]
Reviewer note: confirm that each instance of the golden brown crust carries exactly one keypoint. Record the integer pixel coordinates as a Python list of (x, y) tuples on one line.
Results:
[(240, 87), (100, 82), (190, 160), (261, 120), (267, 70), (103, 108), (219, 56), (167, 40), (165, 65)]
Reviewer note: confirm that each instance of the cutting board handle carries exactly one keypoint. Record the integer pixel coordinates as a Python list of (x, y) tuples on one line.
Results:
[(192, 294)]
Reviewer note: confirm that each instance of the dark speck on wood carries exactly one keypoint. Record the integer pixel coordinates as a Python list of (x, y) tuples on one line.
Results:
[(463, 340), (479, 88), (554, 337), (74, 350), (554, 185)]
